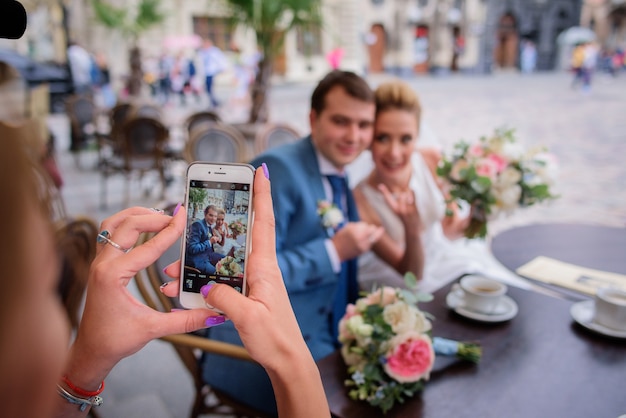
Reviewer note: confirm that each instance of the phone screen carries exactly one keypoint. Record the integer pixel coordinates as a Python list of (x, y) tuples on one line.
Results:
[(217, 226)]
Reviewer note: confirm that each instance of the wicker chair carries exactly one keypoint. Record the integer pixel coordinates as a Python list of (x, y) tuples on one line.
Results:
[(216, 142), (141, 149), (197, 118), (274, 134)]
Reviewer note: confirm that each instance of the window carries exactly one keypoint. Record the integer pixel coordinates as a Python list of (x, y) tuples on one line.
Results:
[(308, 41), (215, 28)]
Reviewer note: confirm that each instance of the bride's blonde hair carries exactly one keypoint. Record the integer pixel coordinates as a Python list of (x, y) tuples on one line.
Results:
[(397, 95)]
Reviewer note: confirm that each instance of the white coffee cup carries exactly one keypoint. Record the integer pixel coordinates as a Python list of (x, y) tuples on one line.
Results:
[(481, 294), (610, 310)]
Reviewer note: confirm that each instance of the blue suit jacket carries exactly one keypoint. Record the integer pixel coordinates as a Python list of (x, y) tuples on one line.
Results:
[(306, 268), (199, 249)]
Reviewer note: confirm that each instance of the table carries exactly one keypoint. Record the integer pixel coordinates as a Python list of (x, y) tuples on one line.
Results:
[(591, 246), (539, 364)]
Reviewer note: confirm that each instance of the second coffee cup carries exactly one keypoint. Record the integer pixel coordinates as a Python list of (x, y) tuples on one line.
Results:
[(481, 294)]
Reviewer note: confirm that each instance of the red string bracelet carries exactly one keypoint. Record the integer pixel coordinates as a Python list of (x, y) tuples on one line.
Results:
[(82, 392)]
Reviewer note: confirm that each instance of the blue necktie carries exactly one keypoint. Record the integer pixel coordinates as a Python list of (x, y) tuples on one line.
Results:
[(338, 186), (347, 287)]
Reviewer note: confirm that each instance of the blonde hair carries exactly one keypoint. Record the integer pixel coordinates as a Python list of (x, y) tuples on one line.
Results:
[(397, 95)]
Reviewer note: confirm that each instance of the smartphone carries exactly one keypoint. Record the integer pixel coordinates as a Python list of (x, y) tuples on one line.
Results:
[(216, 240)]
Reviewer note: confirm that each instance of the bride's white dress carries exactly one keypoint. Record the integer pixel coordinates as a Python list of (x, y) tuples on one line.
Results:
[(445, 260)]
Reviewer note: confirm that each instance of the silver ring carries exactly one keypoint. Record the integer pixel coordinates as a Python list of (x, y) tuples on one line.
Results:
[(103, 238)]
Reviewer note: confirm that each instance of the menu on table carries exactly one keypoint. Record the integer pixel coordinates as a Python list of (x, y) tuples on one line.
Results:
[(571, 276)]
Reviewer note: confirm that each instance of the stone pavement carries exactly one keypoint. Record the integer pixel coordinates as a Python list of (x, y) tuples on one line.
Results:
[(587, 133)]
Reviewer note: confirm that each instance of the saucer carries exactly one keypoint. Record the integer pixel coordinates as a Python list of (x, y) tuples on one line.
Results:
[(582, 312), (506, 309)]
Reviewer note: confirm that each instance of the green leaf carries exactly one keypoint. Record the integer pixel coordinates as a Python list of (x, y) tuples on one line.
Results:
[(410, 280), (481, 184)]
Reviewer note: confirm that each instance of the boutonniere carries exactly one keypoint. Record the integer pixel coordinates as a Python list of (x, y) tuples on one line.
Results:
[(331, 215)]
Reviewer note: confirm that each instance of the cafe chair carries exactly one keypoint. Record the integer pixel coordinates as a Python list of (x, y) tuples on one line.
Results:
[(109, 141), (146, 110), (274, 134), (82, 113), (190, 347), (217, 142), (197, 118), (140, 148)]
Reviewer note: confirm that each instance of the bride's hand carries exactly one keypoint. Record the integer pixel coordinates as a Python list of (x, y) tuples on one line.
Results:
[(403, 204)]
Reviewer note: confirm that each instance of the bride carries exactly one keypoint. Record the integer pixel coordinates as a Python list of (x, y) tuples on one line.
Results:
[(423, 233)]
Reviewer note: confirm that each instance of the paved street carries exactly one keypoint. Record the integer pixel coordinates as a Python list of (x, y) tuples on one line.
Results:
[(587, 133)]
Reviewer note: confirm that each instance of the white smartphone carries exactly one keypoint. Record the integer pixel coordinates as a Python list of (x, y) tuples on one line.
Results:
[(216, 240)]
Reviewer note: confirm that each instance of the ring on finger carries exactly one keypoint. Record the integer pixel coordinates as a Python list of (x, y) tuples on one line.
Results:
[(104, 238)]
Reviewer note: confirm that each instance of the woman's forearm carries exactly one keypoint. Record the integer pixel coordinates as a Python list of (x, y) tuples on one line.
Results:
[(298, 387), (413, 258)]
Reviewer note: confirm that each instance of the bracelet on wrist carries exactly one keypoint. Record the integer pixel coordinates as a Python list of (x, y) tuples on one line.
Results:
[(82, 403), (82, 392)]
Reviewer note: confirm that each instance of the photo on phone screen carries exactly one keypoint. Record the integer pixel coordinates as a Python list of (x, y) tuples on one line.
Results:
[(216, 235)]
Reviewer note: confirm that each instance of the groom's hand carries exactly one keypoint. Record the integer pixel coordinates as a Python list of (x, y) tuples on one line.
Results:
[(355, 238)]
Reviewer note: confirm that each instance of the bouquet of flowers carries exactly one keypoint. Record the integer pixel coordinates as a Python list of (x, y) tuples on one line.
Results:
[(496, 175), (388, 348), (331, 215), (228, 266), (237, 227)]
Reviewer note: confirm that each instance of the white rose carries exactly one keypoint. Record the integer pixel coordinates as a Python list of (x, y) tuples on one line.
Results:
[(404, 318), (333, 217), (513, 151), (358, 327), (508, 199), (509, 176)]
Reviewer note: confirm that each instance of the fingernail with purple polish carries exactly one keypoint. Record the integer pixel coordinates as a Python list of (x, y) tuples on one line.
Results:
[(204, 290), (164, 269), (214, 320), (176, 209), (266, 171)]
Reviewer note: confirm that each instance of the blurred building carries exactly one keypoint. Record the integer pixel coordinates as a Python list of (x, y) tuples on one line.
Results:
[(400, 36), (607, 18)]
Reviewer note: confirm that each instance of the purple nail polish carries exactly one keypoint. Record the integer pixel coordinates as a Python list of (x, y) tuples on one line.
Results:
[(204, 290), (165, 268), (266, 171), (214, 320), (176, 209)]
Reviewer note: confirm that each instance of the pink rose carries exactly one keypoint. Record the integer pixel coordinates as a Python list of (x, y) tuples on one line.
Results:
[(498, 161), (383, 297), (410, 358), (476, 150), (486, 168), (344, 333)]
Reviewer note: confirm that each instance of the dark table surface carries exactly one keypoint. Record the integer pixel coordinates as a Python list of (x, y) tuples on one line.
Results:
[(591, 246), (539, 364)]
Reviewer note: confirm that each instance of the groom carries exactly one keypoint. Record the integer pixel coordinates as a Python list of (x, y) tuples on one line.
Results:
[(201, 240), (318, 264)]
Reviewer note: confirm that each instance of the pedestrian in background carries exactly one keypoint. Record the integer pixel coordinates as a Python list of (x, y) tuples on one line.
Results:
[(81, 66), (213, 62), (578, 56), (166, 63), (591, 53), (528, 58)]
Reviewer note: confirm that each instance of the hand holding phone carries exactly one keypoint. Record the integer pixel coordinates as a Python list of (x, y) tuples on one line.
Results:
[(218, 196)]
